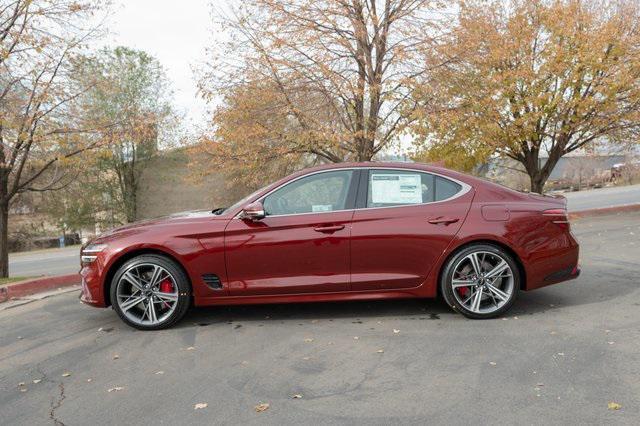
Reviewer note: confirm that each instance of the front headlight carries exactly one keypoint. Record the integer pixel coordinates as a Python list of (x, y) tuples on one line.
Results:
[(90, 252)]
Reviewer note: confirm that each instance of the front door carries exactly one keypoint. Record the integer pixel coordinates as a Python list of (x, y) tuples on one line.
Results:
[(405, 222), (301, 245)]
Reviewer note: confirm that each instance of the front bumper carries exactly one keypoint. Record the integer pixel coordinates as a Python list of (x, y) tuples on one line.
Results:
[(92, 291)]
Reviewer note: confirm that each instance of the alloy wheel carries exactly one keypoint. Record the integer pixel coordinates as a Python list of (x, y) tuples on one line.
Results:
[(482, 282), (147, 294)]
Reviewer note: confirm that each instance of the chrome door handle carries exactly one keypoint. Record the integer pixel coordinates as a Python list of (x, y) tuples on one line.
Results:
[(329, 229), (443, 220)]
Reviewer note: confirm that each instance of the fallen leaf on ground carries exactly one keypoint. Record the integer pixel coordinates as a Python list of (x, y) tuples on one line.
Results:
[(396, 331), (36, 381), (355, 337), (66, 374), (561, 353), (553, 332), (492, 363), (261, 407), (200, 405), (100, 329), (380, 351), (190, 348), (116, 356), (540, 384), (306, 358), (21, 384), (116, 389), (89, 380), (19, 337), (159, 372), (23, 389), (308, 340), (296, 396), (611, 343), (614, 406)]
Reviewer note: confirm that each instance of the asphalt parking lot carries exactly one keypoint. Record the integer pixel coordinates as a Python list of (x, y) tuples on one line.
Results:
[(562, 355)]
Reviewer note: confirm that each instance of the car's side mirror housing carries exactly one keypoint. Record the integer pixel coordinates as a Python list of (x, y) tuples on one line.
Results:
[(253, 211)]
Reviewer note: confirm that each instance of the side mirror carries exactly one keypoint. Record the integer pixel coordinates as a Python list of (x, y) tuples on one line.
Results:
[(254, 211)]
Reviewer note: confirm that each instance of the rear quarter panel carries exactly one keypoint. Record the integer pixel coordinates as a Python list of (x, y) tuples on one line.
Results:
[(515, 221)]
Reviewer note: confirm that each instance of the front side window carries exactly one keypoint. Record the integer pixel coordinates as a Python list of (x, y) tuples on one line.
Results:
[(388, 188), (320, 192)]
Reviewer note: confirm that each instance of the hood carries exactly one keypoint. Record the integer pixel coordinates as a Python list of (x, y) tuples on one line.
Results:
[(149, 224)]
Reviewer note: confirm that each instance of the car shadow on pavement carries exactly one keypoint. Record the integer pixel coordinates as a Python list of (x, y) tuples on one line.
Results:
[(419, 309), (528, 303)]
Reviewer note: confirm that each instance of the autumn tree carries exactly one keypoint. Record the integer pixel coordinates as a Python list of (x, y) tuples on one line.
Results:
[(40, 126), (532, 81), (129, 92), (313, 81)]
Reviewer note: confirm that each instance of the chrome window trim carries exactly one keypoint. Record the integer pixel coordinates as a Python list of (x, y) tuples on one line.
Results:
[(465, 188)]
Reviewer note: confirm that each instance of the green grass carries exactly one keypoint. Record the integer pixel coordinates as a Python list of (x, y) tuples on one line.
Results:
[(9, 280)]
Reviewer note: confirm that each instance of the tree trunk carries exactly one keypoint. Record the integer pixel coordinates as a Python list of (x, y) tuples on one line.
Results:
[(4, 240), (537, 183), (538, 174)]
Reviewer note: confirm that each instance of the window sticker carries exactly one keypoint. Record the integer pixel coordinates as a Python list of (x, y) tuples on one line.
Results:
[(322, 208), (396, 189)]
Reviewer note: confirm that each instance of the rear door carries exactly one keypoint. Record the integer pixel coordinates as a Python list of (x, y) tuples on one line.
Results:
[(403, 222)]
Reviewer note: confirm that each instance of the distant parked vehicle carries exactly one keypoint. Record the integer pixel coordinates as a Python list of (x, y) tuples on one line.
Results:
[(338, 232), (625, 171)]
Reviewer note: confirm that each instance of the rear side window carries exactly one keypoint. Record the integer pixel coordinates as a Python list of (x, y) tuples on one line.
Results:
[(446, 188), (389, 188)]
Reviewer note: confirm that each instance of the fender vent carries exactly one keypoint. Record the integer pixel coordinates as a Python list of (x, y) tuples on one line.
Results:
[(212, 281)]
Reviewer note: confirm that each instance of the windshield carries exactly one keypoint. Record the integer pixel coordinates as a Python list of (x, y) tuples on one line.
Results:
[(223, 210)]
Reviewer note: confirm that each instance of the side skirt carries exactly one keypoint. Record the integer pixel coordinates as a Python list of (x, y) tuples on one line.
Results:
[(305, 298)]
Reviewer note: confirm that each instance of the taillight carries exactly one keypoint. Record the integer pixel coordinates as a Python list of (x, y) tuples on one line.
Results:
[(558, 216)]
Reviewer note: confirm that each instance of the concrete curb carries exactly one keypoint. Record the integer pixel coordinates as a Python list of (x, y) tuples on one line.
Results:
[(37, 285), (604, 210)]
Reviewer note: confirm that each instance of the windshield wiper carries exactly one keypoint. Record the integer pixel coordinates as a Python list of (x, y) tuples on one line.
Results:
[(218, 210)]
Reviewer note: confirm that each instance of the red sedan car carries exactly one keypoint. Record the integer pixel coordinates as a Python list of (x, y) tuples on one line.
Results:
[(338, 232)]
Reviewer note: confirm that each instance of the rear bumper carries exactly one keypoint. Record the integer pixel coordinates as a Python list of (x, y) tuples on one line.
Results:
[(556, 263), (563, 275)]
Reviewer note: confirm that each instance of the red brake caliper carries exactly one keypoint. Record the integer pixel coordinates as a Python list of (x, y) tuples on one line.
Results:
[(166, 286)]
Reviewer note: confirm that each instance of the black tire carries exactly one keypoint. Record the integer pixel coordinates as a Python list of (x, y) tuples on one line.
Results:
[(179, 278), (446, 280)]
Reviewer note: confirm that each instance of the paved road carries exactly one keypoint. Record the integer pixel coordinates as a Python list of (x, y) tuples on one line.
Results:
[(562, 355), (603, 197), (45, 262)]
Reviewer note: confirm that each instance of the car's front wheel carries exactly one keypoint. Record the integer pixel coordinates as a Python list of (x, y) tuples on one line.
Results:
[(150, 292), (480, 281)]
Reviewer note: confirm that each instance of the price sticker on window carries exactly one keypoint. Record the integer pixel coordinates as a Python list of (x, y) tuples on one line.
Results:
[(396, 189)]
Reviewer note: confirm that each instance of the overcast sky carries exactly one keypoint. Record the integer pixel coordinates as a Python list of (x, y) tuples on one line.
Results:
[(176, 33)]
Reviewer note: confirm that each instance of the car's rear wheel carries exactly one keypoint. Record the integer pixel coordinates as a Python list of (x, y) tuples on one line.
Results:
[(480, 281), (150, 292)]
